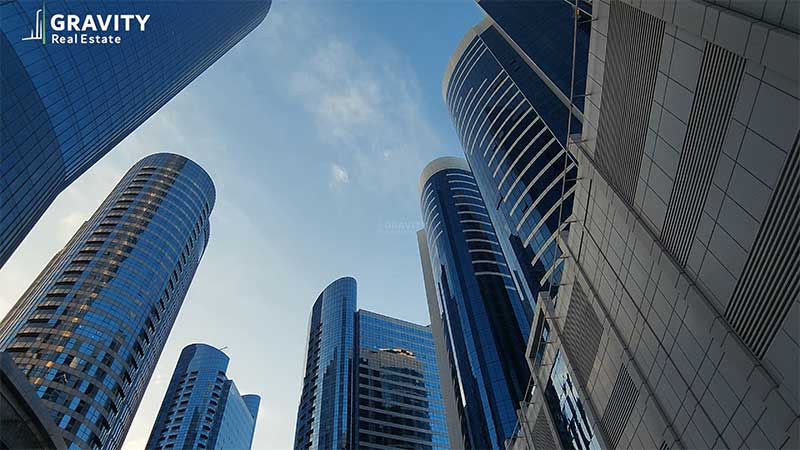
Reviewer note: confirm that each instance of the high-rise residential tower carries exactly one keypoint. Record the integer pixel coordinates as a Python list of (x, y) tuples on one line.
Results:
[(397, 400), (202, 409), (371, 381), (677, 319), (485, 319), (64, 106), (88, 332), (511, 111), (323, 417)]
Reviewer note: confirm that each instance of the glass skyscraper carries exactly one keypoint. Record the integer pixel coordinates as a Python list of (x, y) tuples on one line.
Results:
[(323, 417), (484, 317), (370, 381), (88, 332), (202, 409), (397, 399), (511, 113), (64, 106)]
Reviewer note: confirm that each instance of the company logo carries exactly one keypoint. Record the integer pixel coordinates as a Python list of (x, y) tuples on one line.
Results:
[(86, 29), (36, 34)]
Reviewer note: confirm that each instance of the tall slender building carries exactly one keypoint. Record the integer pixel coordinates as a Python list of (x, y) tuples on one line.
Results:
[(370, 382), (65, 105), (202, 409), (323, 417), (677, 316), (88, 332), (397, 400), (511, 112), (485, 319)]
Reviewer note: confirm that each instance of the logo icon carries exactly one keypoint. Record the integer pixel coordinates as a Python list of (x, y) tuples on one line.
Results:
[(39, 32)]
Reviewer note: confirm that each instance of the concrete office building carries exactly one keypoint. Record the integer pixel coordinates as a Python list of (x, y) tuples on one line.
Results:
[(677, 317), (88, 332)]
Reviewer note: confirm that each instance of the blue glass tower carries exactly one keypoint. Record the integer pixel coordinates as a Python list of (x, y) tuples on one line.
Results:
[(202, 408), (397, 396), (512, 115), (64, 106), (485, 320), (323, 417), (515, 88), (88, 332), (371, 381)]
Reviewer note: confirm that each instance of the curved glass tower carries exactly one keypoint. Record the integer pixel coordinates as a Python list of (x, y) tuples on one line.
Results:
[(90, 329), (323, 415), (511, 114), (64, 106), (202, 409), (485, 320)]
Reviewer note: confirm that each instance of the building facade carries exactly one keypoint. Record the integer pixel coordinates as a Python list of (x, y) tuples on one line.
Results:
[(323, 417), (202, 409), (64, 106), (511, 111), (370, 381), (88, 332), (677, 316), (397, 396), (485, 320)]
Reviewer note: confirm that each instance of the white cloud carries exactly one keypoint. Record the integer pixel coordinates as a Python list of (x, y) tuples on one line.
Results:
[(365, 101), (339, 177)]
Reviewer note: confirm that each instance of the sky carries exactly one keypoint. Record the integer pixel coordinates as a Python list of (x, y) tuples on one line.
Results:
[(315, 129)]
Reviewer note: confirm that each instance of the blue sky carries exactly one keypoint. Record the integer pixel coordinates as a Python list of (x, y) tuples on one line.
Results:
[(315, 129)]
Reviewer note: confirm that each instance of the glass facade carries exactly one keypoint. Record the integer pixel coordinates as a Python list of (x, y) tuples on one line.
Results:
[(398, 398), (513, 124), (485, 319), (323, 417), (202, 408), (90, 329), (515, 90), (64, 106)]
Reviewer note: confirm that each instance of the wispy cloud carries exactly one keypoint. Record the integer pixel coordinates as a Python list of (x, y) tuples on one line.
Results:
[(339, 177), (363, 98)]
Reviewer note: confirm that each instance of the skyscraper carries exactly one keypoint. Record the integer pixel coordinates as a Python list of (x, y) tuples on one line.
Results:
[(90, 329), (397, 401), (677, 316), (511, 112), (484, 318), (323, 417), (64, 106), (202, 409), (370, 380)]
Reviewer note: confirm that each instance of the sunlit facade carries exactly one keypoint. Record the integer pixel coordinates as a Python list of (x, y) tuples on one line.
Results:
[(88, 332), (64, 106), (202, 409)]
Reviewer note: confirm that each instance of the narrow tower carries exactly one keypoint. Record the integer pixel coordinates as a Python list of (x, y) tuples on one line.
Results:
[(323, 417), (485, 319)]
